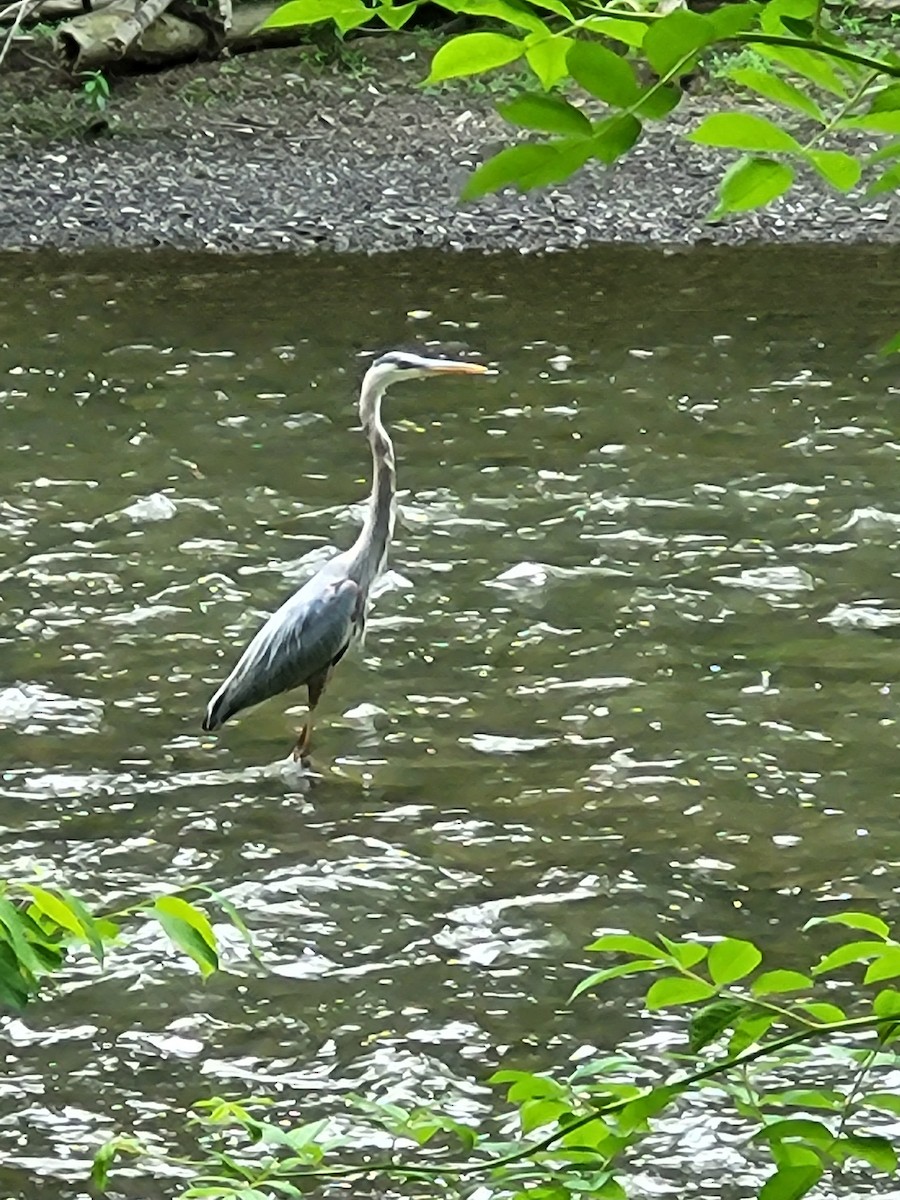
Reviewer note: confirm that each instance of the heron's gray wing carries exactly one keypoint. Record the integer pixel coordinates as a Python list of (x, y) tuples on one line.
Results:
[(306, 635)]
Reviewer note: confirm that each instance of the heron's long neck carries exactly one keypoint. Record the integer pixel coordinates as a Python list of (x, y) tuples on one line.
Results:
[(378, 529)]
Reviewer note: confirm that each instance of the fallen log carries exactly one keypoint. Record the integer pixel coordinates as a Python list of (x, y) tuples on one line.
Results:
[(90, 42), (97, 40), (93, 40)]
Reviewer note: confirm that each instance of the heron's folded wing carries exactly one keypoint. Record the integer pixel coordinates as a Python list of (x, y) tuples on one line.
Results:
[(308, 633), (306, 638)]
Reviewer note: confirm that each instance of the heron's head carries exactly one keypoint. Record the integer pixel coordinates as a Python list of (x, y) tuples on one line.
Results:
[(401, 364)]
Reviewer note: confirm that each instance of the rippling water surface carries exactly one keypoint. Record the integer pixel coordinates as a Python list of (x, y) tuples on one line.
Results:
[(634, 664)]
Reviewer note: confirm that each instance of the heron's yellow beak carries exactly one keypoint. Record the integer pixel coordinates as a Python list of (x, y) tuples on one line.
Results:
[(461, 368)]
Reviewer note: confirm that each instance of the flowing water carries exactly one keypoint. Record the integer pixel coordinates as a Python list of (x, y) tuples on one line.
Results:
[(634, 665)]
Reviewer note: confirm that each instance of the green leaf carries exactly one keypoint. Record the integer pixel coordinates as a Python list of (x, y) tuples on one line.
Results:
[(814, 1132), (888, 182), (751, 183), (790, 1183), (352, 19), (603, 73), (657, 102), (773, 12), (814, 67), (612, 138), (395, 16), (586, 1137), (772, 983), (535, 1087), (743, 131), (630, 32), (16, 985), (711, 1021), (666, 993), (526, 1086), (850, 952), (670, 44), (686, 954), (309, 12), (174, 906), (883, 153), (822, 1011), (890, 347), (776, 89), (33, 949), (23, 952), (732, 959), (877, 1151), (886, 966), (749, 1031), (608, 1189), (801, 29), (535, 1114), (547, 114), (887, 1003), (887, 99), (297, 1139), (103, 1160), (629, 968), (636, 1114), (518, 15), (57, 910), (795, 1154), (232, 914), (820, 1098), (884, 1101), (878, 122), (606, 1064), (853, 920), (626, 943), (555, 6), (566, 156), (733, 18), (547, 57), (108, 1153), (607, 1088), (839, 169), (424, 1124), (92, 930), (471, 53), (189, 931)]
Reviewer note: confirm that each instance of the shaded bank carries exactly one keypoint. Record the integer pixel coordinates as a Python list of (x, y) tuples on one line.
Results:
[(277, 152)]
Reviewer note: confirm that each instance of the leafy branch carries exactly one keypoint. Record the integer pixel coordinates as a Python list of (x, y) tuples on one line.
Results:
[(814, 43), (39, 926), (752, 1018)]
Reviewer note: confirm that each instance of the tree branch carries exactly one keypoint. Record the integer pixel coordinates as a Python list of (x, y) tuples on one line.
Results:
[(546, 1143)]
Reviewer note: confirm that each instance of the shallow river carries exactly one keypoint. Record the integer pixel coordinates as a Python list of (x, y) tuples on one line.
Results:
[(634, 665)]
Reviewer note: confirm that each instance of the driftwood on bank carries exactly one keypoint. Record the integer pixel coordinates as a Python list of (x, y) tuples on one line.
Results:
[(172, 38), (144, 33)]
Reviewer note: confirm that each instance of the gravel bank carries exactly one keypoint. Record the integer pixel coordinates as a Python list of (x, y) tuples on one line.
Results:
[(271, 157)]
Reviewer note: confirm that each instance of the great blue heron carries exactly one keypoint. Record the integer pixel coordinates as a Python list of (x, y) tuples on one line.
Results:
[(302, 643)]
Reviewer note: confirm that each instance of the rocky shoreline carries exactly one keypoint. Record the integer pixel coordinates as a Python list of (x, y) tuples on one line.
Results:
[(268, 155)]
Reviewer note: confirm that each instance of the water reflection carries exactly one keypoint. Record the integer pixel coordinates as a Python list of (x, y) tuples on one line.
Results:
[(633, 664)]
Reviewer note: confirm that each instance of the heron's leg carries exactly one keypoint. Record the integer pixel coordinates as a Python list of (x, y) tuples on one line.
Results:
[(304, 737), (315, 687)]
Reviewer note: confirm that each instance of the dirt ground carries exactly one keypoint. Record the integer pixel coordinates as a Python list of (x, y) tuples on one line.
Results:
[(281, 150)]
